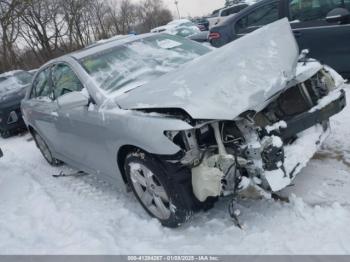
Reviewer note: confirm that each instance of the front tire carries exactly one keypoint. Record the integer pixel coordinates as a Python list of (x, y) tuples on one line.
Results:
[(45, 150), (157, 191)]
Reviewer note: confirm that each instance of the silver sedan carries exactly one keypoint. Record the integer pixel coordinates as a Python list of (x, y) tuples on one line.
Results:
[(182, 124)]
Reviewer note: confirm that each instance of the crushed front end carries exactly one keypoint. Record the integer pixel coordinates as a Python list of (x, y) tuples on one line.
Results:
[(261, 152)]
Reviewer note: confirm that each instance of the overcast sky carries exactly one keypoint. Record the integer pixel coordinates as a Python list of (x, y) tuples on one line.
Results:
[(195, 7)]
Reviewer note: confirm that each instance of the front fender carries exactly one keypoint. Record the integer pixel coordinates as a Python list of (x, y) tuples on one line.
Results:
[(144, 130)]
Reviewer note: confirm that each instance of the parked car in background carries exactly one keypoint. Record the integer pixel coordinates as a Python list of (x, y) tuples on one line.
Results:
[(322, 26), (221, 15), (13, 86), (181, 27), (182, 124), (200, 37), (202, 23)]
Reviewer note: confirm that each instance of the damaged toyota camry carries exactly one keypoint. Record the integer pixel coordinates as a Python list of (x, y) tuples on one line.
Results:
[(181, 124)]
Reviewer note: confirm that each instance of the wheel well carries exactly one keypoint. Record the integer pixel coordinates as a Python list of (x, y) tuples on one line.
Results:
[(122, 153)]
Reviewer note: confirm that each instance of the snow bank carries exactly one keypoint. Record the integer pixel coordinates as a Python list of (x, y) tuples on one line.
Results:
[(40, 214)]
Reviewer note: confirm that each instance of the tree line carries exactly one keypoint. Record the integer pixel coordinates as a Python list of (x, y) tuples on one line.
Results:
[(35, 31)]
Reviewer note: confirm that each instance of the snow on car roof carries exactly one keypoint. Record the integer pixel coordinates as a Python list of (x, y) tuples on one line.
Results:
[(10, 73)]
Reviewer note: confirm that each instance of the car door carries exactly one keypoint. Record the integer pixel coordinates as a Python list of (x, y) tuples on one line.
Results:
[(328, 42), (81, 130), (42, 109)]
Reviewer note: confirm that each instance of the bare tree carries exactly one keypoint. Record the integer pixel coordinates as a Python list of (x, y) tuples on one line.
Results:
[(34, 31), (152, 13), (9, 29), (42, 26), (127, 16), (99, 16), (77, 17)]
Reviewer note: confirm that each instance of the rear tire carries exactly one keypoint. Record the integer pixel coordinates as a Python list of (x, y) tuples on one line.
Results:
[(45, 150), (157, 190)]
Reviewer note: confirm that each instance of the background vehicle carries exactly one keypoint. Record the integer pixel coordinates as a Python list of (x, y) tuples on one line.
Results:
[(321, 26), (221, 15), (202, 23), (181, 27), (200, 37), (147, 110), (13, 87)]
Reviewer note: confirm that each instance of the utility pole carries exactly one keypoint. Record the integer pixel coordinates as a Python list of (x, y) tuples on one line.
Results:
[(177, 8)]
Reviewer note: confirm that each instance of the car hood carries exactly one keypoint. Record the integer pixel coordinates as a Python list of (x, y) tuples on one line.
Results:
[(240, 76)]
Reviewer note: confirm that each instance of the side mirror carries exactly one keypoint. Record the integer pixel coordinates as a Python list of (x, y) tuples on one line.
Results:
[(73, 99), (340, 15)]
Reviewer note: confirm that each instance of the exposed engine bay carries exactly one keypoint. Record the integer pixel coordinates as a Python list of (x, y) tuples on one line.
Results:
[(255, 153)]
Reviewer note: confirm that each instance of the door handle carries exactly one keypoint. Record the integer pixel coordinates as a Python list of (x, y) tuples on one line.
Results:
[(297, 33)]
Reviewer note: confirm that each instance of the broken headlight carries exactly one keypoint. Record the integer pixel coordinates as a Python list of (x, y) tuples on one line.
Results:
[(176, 137)]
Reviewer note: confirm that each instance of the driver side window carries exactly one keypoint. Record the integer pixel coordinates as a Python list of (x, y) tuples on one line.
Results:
[(64, 80), (261, 16), (312, 10), (347, 4), (41, 84)]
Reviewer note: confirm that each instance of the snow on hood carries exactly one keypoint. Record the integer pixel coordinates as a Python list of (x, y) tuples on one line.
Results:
[(241, 75)]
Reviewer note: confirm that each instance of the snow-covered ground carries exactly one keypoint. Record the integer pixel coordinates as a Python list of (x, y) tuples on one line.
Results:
[(40, 214)]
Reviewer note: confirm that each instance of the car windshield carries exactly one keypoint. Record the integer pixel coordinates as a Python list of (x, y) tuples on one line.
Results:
[(136, 63), (11, 82)]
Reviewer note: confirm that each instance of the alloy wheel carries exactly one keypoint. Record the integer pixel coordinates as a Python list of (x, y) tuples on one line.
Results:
[(150, 191)]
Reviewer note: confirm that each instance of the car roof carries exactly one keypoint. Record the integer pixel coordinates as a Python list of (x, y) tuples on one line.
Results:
[(107, 44), (11, 73)]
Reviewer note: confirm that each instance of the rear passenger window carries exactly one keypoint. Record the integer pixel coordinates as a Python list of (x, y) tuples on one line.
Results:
[(262, 16), (313, 10), (64, 80), (41, 85)]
